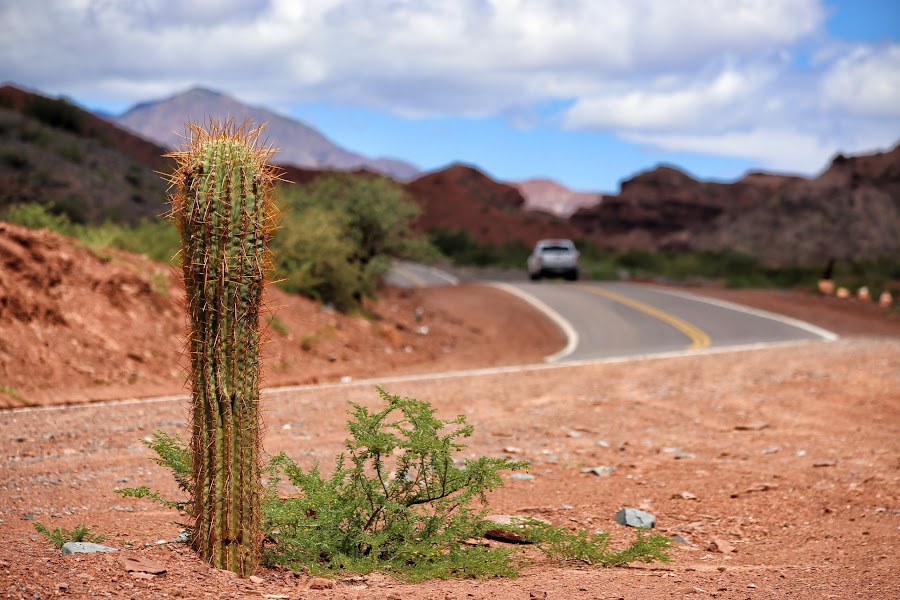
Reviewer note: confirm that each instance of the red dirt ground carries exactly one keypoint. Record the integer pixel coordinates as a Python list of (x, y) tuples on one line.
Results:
[(786, 485)]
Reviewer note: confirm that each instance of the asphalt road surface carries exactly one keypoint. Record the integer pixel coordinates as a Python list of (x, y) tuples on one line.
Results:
[(407, 274), (604, 320)]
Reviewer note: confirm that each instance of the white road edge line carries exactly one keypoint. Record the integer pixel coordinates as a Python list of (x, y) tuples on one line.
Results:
[(451, 279), (567, 329), (822, 333), (437, 376)]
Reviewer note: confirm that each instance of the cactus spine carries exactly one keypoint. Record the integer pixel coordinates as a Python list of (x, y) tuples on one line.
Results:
[(222, 204)]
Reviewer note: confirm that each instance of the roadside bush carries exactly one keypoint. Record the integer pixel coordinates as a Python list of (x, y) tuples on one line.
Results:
[(339, 234), (459, 246), (313, 257), (158, 240), (60, 113), (37, 216)]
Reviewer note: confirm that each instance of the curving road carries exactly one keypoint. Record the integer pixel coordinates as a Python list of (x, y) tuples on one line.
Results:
[(604, 320)]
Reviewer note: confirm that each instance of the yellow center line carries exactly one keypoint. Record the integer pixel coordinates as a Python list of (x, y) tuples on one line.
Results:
[(699, 338)]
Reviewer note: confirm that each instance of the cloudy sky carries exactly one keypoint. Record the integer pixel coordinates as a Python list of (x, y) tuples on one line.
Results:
[(586, 92)]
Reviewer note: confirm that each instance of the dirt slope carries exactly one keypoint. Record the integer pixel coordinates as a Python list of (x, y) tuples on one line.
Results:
[(77, 325)]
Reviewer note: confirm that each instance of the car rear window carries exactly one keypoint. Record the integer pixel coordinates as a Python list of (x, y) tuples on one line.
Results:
[(556, 249)]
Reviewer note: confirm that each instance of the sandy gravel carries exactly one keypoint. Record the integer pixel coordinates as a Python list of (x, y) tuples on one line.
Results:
[(789, 462)]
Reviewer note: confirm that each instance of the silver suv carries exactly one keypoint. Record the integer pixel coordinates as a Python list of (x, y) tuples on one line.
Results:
[(553, 258)]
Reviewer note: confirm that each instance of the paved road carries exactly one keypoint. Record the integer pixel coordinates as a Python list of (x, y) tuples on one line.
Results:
[(409, 274), (606, 320)]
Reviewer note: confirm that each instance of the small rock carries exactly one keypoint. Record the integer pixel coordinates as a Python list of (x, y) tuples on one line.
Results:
[(138, 575), (122, 480), (603, 443), (512, 450), (505, 535), (255, 579), (574, 434), (757, 426), (536, 595), (762, 487), (602, 471), (684, 496), (770, 450), (752, 586), (824, 463), (139, 564), (320, 583), (522, 476), (718, 545), (684, 455), (84, 547), (681, 540), (632, 517)]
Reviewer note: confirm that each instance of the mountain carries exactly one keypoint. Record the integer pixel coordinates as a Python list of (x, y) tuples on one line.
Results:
[(552, 197), (462, 197), (851, 211), (299, 144), (51, 151)]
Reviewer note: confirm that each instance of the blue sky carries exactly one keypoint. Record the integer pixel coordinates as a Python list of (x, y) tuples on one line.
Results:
[(586, 92)]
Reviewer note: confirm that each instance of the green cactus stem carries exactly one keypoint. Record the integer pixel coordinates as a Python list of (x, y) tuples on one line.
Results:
[(222, 203)]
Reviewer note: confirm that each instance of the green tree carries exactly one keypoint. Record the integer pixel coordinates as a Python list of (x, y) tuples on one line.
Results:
[(313, 257), (362, 222)]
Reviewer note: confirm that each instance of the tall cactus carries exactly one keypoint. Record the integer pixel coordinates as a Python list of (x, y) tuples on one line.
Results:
[(222, 204)]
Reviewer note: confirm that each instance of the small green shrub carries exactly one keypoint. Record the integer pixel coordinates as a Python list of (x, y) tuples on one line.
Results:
[(59, 113), (59, 537), (37, 216), (593, 548), (278, 326), (72, 153), (16, 159), (395, 500), (12, 392), (173, 454), (398, 501), (459, 246)]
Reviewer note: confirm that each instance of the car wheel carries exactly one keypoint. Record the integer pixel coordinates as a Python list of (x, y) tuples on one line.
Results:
[(534, 276)]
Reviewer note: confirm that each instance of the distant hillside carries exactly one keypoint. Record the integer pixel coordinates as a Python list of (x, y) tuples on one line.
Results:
[(850, 212), (299, 144), (52, 152), (552, 197), (462, 197)]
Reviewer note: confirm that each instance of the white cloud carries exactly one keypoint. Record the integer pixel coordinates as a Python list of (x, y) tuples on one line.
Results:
[(866, 81), (669, 102), (710, 76), (412, 56), (779, 149)]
